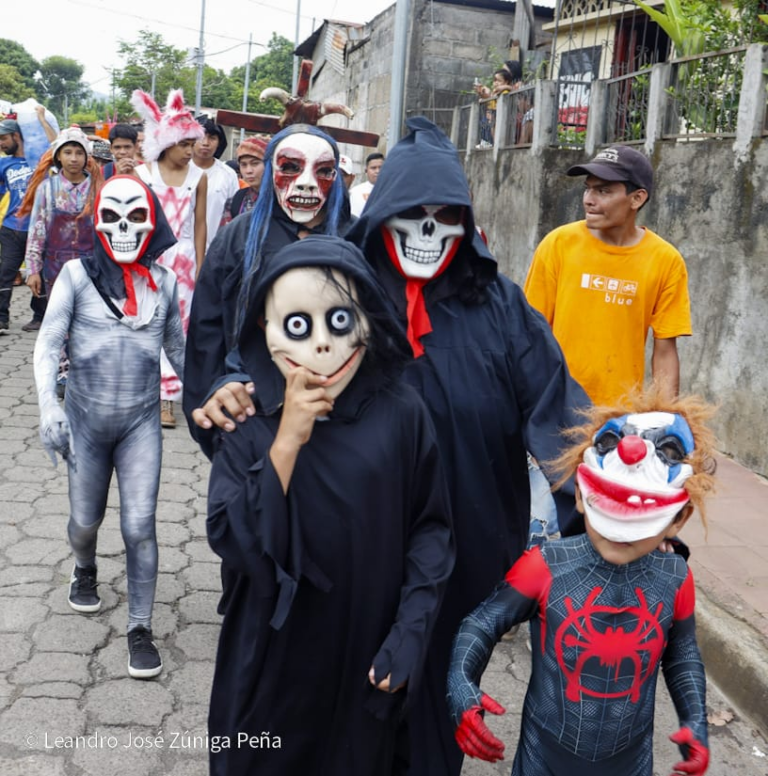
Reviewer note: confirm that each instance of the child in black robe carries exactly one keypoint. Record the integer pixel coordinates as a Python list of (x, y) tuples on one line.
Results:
[(331, 515)]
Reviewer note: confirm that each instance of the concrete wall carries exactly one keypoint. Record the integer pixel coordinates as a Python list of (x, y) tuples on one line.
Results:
[(715, 210)]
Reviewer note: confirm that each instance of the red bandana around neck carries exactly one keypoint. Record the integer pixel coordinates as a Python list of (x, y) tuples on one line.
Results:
[(130, 307), (416, 311)]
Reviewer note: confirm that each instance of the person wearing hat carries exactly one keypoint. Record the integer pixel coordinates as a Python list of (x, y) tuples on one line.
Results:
[(250, 159), (602, 282), (347, 170), (102, 153), (182, 187), (15, 174), (222, 180)]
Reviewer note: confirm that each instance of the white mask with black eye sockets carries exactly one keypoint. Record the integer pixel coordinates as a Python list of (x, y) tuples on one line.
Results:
[(124, 217), (315, 323), (423, 237)]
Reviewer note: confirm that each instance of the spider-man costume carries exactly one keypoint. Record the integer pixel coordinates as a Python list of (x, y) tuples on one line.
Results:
[(602, 630)]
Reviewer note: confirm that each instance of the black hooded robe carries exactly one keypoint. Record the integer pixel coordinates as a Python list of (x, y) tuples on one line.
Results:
[(344, 572), (496, 384)]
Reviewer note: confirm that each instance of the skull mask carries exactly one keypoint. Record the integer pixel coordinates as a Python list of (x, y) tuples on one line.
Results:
[(422, 240), (125, 218), (313, 321), (303, 172)]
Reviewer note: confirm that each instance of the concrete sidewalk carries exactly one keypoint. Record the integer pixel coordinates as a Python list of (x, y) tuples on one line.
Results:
[(730, 566)]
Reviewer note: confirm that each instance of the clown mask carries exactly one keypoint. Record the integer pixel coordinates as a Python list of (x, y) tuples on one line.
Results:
[(422, 240), (303, 171), (631, 480), (312, 320), (125, 218)]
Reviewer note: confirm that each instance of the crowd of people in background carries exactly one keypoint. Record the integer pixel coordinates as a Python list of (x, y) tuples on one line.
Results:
[(373, 394)]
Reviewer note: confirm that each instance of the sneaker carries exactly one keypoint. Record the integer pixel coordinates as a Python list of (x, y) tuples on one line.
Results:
[(82, 590), (167, 419), (144, 661), (33, 325), (4, 327)]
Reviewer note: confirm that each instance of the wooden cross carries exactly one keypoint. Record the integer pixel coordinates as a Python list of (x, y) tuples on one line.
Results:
[(298, 110)]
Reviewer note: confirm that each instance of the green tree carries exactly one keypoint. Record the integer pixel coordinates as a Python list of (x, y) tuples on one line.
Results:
[(15, 55), (12, 86), (150, 60), (63, 86), (275, 68)]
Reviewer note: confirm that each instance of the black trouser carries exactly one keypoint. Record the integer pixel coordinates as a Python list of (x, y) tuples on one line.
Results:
[(13, 244)]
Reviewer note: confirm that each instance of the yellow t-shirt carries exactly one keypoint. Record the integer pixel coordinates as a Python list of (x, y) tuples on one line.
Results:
[(600, 301)]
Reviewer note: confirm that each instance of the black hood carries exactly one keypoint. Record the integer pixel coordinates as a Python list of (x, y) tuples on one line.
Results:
[(387, 351), (107, 275), (422, 169)]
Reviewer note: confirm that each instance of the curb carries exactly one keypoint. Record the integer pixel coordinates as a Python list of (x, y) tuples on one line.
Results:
[(736, 659)]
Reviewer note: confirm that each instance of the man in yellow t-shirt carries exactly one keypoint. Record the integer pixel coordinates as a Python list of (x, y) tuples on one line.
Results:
[(601, 283)]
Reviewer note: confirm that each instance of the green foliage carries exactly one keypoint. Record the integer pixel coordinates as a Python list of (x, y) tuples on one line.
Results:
[(61, 79), (273, 69), (15, 55), (570, 137), (12, 85)]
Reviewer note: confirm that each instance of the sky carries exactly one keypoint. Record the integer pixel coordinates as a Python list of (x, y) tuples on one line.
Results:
[(90, 31)]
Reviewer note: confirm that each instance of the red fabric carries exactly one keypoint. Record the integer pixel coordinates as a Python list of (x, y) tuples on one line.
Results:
[(130, 308)]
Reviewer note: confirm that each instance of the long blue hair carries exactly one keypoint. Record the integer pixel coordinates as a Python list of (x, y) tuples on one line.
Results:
[(262, 210)]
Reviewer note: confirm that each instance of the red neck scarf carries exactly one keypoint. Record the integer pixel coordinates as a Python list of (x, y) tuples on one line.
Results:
[(416, 311), (130, 307)]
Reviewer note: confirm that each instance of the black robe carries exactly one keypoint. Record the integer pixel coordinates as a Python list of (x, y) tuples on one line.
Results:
[(496, 384), (344, 572)]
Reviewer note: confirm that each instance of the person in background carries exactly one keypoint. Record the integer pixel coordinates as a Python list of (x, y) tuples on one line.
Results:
[(15, 174), (503, 83), (123, 139), (223, 183), (250, 158), (102, 153), (358, 195), (181, 188), (603, 282), (347, 170)]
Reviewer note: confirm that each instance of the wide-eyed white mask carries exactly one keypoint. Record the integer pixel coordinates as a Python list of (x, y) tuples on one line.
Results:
[(125, 218), (422, 240), (632, 479), (312, 320), (303, 171)]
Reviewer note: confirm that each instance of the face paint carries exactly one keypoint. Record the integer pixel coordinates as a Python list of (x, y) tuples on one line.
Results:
[(125, 219), (313, 323), (632, 479), (303, 171), (422, 240)]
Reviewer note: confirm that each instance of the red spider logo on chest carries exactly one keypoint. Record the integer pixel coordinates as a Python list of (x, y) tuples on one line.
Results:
[(611, 647)]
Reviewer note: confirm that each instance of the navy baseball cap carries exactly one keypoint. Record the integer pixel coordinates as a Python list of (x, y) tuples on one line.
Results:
[(619, 163)]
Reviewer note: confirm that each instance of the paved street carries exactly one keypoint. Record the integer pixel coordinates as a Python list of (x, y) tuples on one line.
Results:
[(67, 705)]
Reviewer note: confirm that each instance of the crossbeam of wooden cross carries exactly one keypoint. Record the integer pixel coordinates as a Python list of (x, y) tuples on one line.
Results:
[(298, 110)]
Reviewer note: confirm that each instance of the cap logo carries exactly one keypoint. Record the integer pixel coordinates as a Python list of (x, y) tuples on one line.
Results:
[(608, 155)]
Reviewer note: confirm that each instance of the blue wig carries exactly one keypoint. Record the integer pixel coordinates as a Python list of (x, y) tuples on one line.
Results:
[(262, 210)]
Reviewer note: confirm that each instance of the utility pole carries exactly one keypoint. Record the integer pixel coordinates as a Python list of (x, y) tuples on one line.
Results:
[(295, 79), (247, 83), (200, 62), (397, 89)]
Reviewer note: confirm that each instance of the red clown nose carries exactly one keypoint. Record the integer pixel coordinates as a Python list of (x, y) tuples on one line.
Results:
[(632, 449)]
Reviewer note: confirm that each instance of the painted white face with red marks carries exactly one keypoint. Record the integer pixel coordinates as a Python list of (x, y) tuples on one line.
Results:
[(312, 321), (303, 171), (632, 479)]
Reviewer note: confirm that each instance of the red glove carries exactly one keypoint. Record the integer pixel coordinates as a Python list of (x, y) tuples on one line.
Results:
[(473, 736), (696, 754)]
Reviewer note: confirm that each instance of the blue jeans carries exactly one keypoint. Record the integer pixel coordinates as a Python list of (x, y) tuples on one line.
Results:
[(543, 512)]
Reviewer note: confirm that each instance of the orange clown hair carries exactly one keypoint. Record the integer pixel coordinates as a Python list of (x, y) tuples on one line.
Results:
[(696, 413)]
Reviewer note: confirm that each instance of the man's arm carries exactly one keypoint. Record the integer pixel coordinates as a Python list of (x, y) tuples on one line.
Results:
[(665, 366), (201, 228)]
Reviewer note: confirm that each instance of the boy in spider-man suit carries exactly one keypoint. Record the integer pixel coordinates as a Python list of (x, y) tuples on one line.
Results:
[(609, 607)]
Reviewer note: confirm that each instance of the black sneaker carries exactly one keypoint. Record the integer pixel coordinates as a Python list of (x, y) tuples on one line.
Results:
[(82, 590), (144, 661), (4, 327)]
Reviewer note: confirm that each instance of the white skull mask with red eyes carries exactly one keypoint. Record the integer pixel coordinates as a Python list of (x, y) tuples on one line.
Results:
[(314, 322), (423, 239), (303, 171), (125, 218)]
